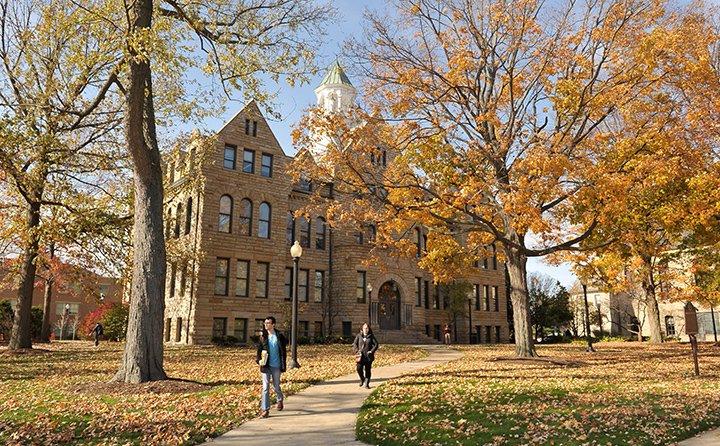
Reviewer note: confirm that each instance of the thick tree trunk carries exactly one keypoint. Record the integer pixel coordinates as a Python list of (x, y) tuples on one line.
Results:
[(517, 271), (651, 304), (21, 335), (47, 300), (143, 357), (653, 314)]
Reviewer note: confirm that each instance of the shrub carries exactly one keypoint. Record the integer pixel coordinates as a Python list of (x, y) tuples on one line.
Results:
[(36, 317), (6, 318), (112, 316)]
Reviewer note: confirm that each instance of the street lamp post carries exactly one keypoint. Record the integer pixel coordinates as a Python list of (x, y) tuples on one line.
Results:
[(369, 290), (587, 321), (296, 253)]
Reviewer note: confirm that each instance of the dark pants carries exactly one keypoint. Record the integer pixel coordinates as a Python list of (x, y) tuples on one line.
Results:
[(363, 368), (97, 339)]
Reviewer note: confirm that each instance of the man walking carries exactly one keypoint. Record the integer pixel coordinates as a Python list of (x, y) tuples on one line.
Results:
[(271, 356)]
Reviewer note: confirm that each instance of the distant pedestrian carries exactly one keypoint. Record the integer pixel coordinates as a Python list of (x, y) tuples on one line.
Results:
[(271, 356), (364, 348), (446, 331), (96, 332)]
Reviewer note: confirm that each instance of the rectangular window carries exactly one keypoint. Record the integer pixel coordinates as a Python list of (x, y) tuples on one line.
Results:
[(242, 276), (488, 339), (303, 275), (254, 128), (173, 273), (427, 293), (60, 308), (168, 326), (478, 330), (240, 331), (304, 329), (266, 165), (360, 290), (347, 329), (221, 276), (261, 283), (418, 291), (247, 126), (318, 329), (486, 297), (485, 263), (288, 283), (219, 327), (495, 299), (427, 330), (476, 296), (248, 161), (438, 335), (319, 285), (178, 329), (183, 279), (497, 334), (494, 259), (259, 325), (436, 300), (229, 157)]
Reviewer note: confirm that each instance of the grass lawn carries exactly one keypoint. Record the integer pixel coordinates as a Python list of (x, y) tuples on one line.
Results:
[(625, 394), (59, 398)]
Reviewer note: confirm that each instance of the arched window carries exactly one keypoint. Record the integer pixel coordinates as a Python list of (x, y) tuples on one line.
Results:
[(264, 221), (669, 326), (246, 210), (304, 232), (178, 217), (188, 215), (225, 221), (320, 233)]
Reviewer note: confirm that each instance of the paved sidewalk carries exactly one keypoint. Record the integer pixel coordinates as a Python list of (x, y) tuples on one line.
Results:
[(324, 414), (709, 438)]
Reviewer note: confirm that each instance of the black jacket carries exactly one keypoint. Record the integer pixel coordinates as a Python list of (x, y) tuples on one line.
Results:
[(263, 345), (367, 348)]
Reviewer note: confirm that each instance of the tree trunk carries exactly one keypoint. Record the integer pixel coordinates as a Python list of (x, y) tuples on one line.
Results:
[(517, 271), (47, 299), (143, 357), (651, 305), (21, 335)]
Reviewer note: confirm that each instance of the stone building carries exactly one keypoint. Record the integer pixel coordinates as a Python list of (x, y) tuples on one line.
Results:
[(241, 222)]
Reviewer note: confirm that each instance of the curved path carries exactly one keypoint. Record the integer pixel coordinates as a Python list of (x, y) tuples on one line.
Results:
[(325, 413)]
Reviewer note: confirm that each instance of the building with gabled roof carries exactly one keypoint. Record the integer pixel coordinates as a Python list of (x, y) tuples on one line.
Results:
[(241, 224)]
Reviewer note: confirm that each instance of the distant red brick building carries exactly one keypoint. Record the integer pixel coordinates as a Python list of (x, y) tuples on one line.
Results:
[(74, 295)]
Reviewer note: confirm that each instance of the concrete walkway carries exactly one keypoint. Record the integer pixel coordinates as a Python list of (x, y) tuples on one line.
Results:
[(709, 438), (324, 414)]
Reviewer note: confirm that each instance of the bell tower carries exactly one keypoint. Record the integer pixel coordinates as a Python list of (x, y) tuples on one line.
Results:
[(335, 94)]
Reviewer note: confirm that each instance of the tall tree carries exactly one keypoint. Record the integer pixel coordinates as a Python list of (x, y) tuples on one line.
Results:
[(549, 304), (158, 43), (507, 122), (52, 127)]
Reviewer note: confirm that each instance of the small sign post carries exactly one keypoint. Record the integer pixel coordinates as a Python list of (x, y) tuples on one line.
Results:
[(691, 328)]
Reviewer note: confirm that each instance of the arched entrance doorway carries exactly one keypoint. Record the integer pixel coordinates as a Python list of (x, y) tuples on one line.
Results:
[(389, 306)]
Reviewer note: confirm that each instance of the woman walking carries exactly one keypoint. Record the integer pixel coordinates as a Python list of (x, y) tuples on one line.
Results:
[(364, 348), (271, 356)]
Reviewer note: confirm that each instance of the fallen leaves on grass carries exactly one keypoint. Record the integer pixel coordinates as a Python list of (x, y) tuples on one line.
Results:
[(40, 402), (625, 394)]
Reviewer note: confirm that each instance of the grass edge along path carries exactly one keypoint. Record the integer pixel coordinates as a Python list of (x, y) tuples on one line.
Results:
[(627, 393)]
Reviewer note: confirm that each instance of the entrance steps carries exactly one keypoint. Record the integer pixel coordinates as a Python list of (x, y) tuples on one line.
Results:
[(403, 337)]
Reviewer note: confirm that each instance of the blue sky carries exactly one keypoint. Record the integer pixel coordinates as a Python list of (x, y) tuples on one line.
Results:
[(293, 101)]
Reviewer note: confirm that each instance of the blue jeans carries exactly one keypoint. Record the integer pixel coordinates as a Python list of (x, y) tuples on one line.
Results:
[(275, 375)]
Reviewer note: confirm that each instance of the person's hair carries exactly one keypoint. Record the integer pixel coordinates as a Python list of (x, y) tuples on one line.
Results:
[(272, 319), (368, 326)]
